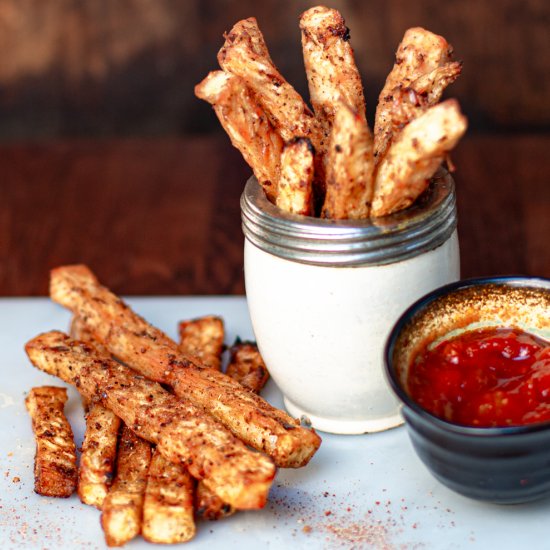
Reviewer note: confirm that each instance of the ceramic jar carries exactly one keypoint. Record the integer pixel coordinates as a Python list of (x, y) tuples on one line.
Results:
[(324, 294)]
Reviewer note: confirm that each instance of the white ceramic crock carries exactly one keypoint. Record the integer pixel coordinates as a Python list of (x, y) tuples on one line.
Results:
[(323, 296)]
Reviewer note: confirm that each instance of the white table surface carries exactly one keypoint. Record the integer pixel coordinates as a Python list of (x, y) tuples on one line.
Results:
[(368, 491)]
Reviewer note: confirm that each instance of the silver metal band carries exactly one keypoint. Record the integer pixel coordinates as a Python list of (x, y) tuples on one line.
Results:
[(345, 243)]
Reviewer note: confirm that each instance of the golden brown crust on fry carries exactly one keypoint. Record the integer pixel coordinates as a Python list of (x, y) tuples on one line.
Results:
[(98, 457), (80, 331), (209, 505), (422, 70), (149, 351), (415, 155), (247, 366), (168, 505), (330, 65), (183, 433), (246, 124), (350, 166), (203, 338), (419, 53), (411, 101), (430, 86), (245, 54), (55, 460), (295, 189), (195, 334), (123, 506)]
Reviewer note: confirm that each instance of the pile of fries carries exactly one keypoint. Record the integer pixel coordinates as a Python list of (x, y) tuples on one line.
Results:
[(325, 161), (154, 459)]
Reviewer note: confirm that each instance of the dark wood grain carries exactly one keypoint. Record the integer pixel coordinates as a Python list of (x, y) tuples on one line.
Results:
[(162, 216), (105, 68), (504, 205), (157, 217)]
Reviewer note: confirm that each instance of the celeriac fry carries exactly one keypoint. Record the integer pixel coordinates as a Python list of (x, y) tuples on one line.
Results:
[(295, 190), (330, 65), (55, 459), (149, 351), (415, 155), (97, 460), (350, 166), (182, 432), (419, 53), (210, 506), (203, 338), (168, 505), (247, 366), (411, 101), (80, 331), (193, 334), (245, 54), (123, 506), (430, 86), (246, 124), (98, 456)]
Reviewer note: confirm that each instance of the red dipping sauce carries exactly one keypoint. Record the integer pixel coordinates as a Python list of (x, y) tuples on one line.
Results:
[(485, 378)]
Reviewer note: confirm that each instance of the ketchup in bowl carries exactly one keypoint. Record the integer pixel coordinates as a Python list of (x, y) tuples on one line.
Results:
[(484, 378), (476, 402)]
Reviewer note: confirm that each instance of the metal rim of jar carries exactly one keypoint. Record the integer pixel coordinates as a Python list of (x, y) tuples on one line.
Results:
[(351, 243)]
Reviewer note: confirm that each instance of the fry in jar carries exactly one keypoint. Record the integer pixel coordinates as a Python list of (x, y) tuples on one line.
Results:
[(295, 190), (331, 70), (245, 54), (350, 166), (247, 125), (415, 155), (419, 53)]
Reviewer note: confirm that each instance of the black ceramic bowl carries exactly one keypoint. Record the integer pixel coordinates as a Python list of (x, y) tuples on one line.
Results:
[(502, 465)]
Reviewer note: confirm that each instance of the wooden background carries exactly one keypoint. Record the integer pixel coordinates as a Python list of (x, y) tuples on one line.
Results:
[(128, 67), (107, 158)]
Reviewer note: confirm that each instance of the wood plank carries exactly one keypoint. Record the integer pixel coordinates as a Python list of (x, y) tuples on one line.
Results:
[(140, 213), (163, 217), (128, 68), (504, 205)]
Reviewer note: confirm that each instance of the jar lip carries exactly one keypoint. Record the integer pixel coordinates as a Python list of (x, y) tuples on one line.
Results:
[(421, 227), (427, 203)]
